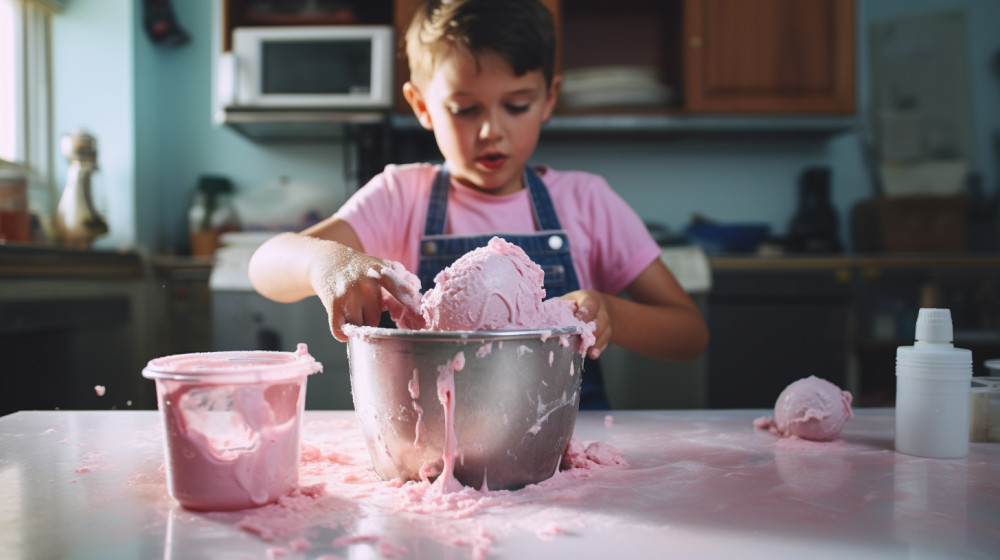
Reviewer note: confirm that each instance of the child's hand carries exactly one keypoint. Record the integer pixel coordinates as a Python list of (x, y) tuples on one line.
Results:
[(350, 285), (592, 306)]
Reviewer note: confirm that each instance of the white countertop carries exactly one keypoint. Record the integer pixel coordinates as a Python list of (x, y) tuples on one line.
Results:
[(698, 484)]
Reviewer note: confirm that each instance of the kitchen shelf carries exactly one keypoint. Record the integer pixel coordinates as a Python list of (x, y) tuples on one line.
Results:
[(702, 123), (301, 125), (667, 125), (937, 261), (306, 125)]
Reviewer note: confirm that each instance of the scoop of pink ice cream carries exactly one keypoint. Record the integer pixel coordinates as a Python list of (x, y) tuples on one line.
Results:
[(811, 408), (493, 287)]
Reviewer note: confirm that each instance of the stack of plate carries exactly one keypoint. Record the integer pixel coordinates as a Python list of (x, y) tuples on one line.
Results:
[(609, 86)]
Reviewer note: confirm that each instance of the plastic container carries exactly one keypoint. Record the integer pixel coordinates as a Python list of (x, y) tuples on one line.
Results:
[(985, 402), (933, 384), (232, 423), (728, 238)]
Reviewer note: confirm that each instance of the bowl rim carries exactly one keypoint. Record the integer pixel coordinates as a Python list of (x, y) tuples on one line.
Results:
[(355, 332)]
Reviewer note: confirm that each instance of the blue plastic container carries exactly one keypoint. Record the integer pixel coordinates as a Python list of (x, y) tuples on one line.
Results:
[(728, 238)]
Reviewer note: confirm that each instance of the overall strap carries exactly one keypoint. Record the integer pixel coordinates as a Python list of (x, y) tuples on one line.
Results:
[(541, 202), (437, 205)]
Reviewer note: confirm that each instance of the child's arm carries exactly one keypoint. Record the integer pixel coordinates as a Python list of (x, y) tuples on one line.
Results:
[(660, 321), (325, 260)]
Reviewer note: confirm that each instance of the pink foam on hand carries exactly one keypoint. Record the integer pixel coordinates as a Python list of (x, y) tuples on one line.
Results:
[(811, 409), (404, 308)]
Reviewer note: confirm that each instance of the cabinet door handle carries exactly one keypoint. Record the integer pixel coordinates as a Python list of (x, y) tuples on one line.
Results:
[(695, 42)]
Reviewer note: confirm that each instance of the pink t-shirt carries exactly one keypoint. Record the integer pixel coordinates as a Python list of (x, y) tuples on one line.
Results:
[(609, 243)]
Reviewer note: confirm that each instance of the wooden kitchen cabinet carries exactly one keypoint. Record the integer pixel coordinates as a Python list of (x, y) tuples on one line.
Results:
[(769, 56), (662, 65), (268, 13), (750, 57)]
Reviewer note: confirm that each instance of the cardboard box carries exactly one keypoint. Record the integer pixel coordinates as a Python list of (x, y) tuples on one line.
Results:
[(911, 224)]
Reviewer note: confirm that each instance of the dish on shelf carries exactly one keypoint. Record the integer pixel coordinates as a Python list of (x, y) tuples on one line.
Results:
[(603, 86)]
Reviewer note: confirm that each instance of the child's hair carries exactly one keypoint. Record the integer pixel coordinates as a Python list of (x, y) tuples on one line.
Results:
[(519, 31)]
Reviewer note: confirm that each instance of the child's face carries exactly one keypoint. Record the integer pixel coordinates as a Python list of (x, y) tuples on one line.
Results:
[(486, 120)]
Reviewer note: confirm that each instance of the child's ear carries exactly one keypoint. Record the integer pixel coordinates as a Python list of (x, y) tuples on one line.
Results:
[(416, 101), (551, 97)]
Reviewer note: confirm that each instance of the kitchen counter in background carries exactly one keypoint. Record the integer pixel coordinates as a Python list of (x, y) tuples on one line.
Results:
[(36, 261), (61, 310), (799, 262), (699, 484), (773, 320), (70, 320)]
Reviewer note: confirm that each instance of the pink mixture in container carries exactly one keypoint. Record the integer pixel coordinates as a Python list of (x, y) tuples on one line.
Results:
[(233, 425)]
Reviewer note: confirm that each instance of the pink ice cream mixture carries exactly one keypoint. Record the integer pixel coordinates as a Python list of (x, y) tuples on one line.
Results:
[(494, 287), (810, 408), (232, 426)]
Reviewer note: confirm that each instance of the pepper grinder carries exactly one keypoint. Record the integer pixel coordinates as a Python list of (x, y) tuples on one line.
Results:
[(77, 221)]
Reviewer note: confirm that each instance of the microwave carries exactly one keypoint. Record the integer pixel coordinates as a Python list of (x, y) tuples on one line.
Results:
[(328, 67)]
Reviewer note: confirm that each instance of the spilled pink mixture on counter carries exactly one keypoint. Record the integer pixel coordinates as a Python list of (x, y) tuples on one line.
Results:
[(338, 487)]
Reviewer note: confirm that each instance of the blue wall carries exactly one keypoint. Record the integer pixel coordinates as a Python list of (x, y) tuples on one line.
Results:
[(150, 108), (93, 82)]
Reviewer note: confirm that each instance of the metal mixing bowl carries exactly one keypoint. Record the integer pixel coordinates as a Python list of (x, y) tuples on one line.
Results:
[(515, 401)]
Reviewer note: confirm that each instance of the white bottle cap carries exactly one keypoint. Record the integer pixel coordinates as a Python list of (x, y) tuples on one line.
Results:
[(934, 325)]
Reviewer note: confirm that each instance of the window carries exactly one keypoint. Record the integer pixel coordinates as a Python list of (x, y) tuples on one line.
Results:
[(25, 84), (8, 71), (26, 99)]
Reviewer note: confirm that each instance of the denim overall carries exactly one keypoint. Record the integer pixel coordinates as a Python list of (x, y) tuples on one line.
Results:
[(548, 247)]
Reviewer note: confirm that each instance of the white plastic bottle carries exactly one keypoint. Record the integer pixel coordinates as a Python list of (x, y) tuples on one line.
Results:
[(933, 380)]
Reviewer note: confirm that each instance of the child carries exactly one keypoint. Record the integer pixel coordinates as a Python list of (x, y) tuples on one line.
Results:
[(482, 79)]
